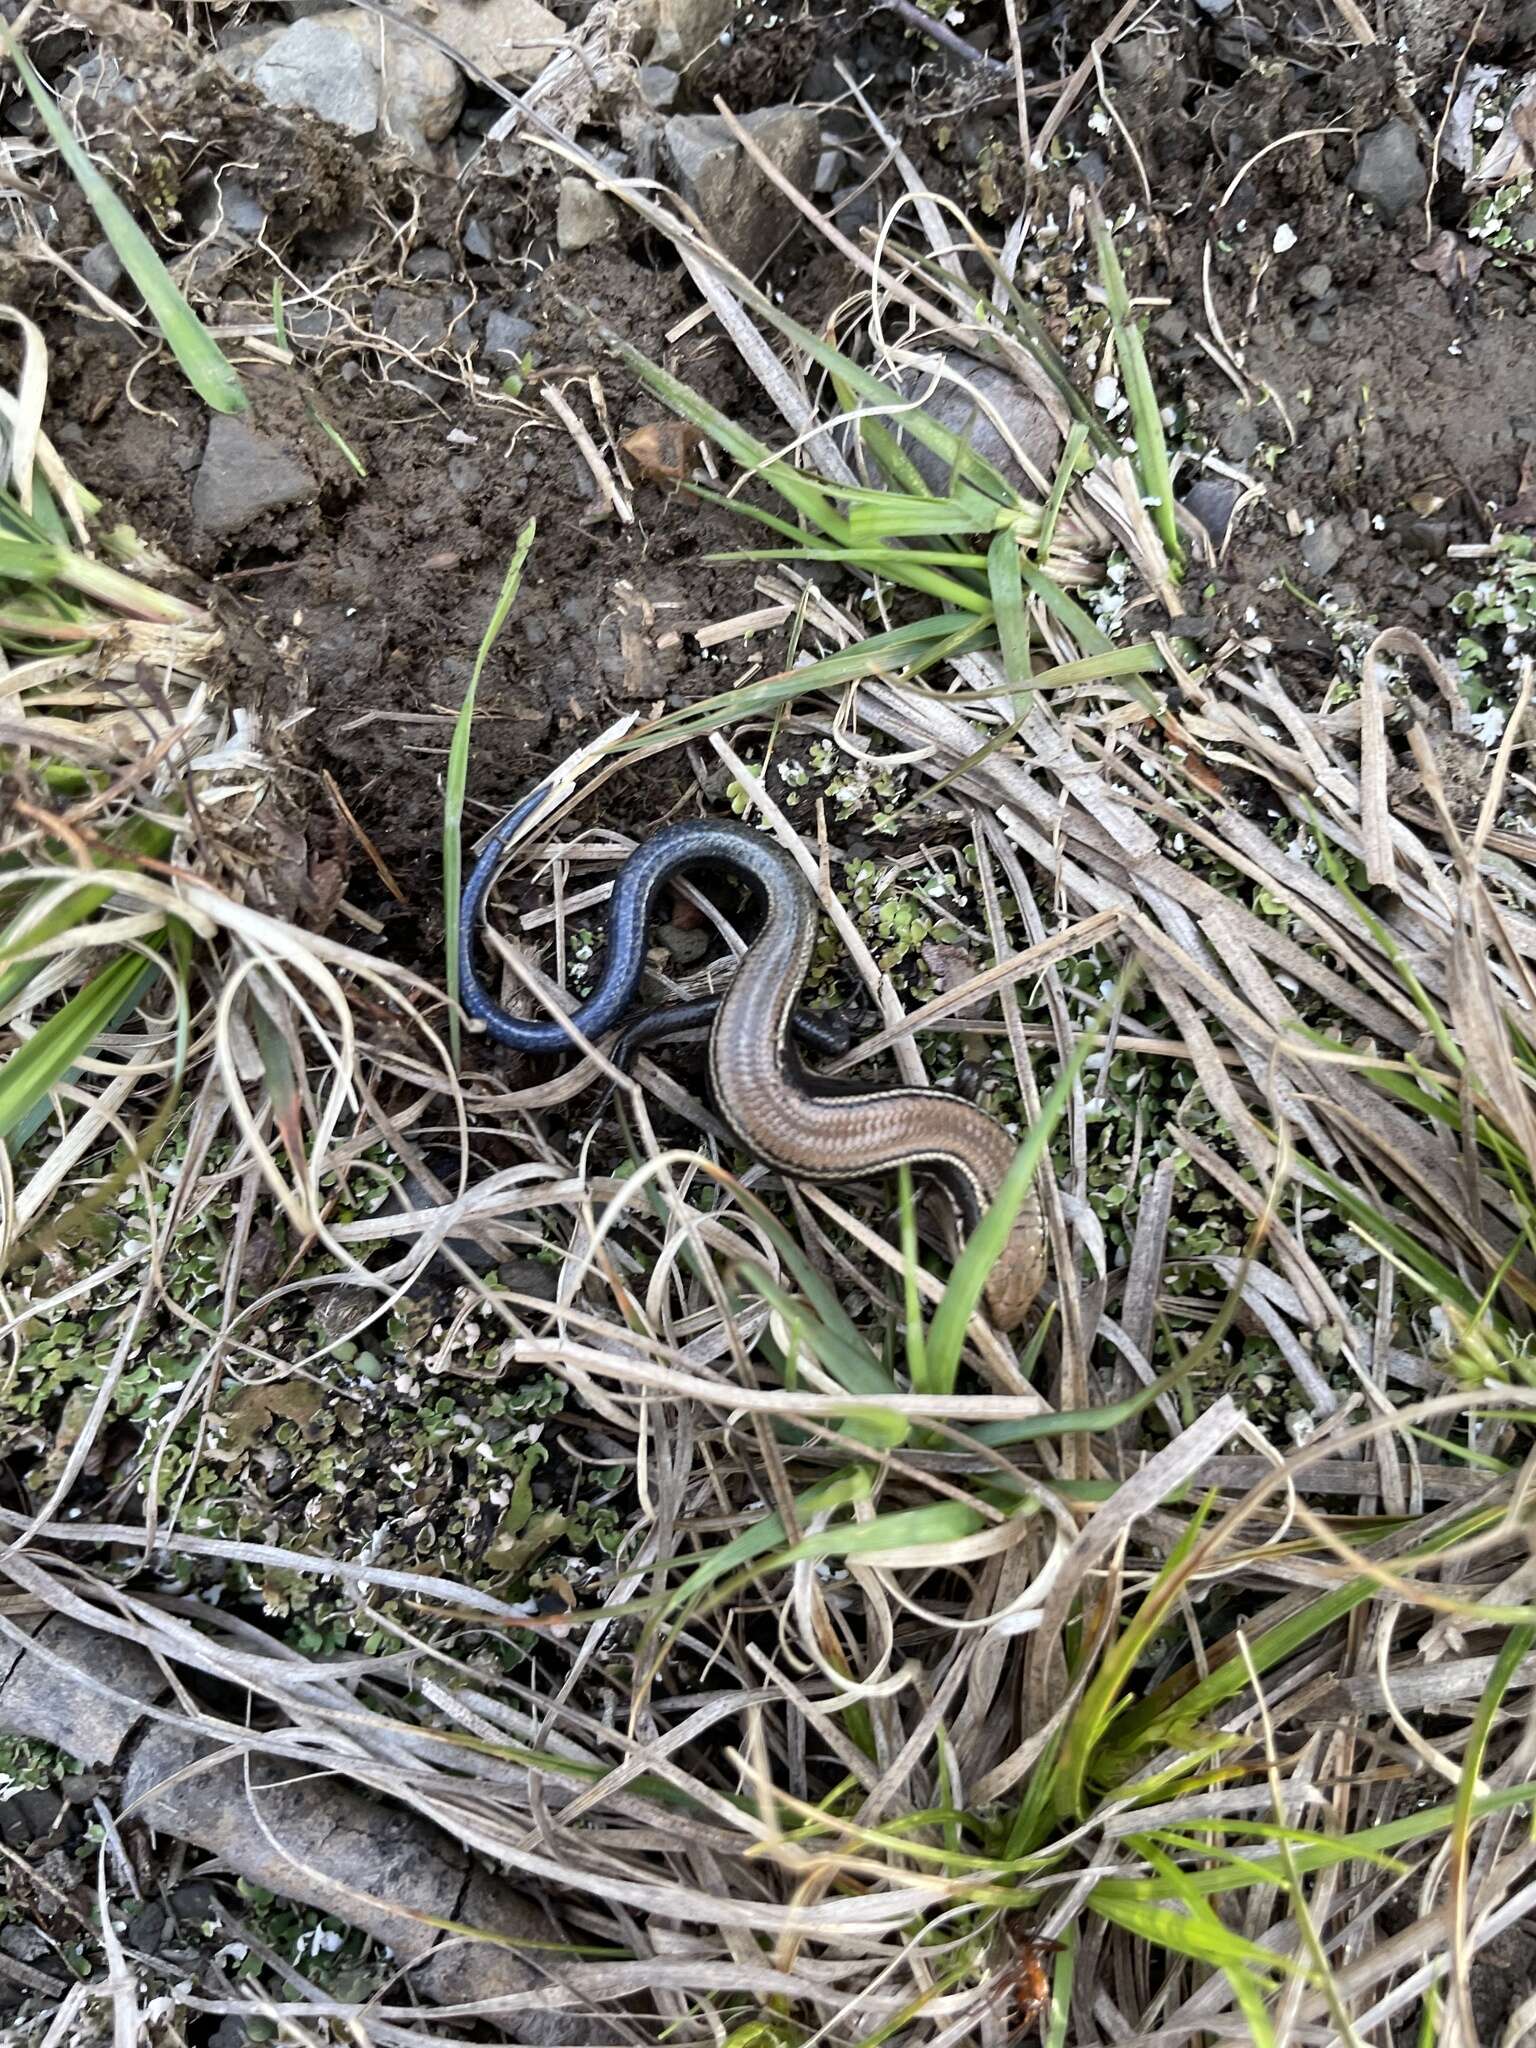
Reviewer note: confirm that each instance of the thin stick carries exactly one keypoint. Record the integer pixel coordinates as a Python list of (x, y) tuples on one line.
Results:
[(617, 501), (940, 32), (1020, 91)]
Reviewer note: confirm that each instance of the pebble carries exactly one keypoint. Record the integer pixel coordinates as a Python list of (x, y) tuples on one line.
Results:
[(429, 263), (100, 266), (507, 337), (225, 205), (585, 216), (244, 476), (1315, 281), (1239, 437), (1211, 499), (1388, 172), (686, 944), (477, 241), (829, 169), (1323, 549), (742, 212), (658, 87)]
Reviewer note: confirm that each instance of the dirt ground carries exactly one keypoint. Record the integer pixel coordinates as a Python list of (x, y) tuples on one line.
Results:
[(1391, 409), (1372, 381)]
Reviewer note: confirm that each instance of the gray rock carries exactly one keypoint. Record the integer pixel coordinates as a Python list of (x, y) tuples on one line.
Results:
[(658, 87), (686, 943), (1027, 421), (308, 323), (829, 170), (347, 67), (1239, 436), (584, 216), (685, 29), (508, 338), (243, 477), (1320, 330), (1323, 549), (1388, 171), (429, 263), (477, 241), (503, 38), (742, 211), (1315, 281), (1211, 500), (318, 66), (418, 322), (99, 266), (1172, 326), (224, 203), (99, 81)]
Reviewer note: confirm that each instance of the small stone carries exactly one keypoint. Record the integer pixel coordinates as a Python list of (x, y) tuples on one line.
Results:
[(584, 215), (685, 29), (416, 322), (1323, 549), (1315, 281), (1092, 168), (477, 241), (1388, 172), (99, 81), (1030, 426), (100, 266), (1211, 500), (685, 943), (1239, 437), (318, 66), (224, 205), (829, 169), (429, 263), (658, 85), (1172, 326), (508, 338), (243, 477), (743, 212), (348, 67), (1138, 57), (1320, 330), (504, 38), (308, 323)]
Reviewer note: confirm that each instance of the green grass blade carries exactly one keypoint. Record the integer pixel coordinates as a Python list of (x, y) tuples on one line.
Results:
[(1146, 416), (456, 781), (946, 1336), (207, 368), (1007, 588), (47, 1056), (1061, 483)]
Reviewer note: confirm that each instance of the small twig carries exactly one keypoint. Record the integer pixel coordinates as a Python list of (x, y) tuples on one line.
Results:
[(1069, 93), (941, 33), (618, 503)]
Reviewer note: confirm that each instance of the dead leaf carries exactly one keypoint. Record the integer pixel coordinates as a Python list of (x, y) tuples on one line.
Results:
[(662, 452), (1453, 262)]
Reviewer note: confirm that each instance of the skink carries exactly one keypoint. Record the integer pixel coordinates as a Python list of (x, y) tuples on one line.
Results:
[(802, 1124)]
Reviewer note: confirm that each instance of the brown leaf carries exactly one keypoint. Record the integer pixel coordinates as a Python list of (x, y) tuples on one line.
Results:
[(662, 452), (1453, 261)]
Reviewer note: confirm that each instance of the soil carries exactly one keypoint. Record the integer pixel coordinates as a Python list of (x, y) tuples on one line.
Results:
[(1389, 412), (1395, 411)]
